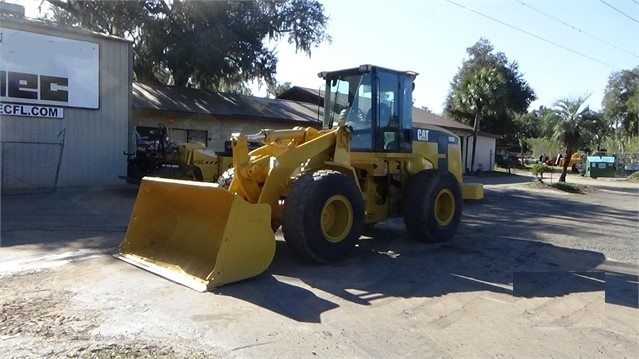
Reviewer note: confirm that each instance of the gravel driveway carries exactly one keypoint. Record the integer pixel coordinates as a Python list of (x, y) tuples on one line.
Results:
[(532, 272)]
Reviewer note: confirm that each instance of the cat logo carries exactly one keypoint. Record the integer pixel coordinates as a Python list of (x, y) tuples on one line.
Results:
[(422, 135)]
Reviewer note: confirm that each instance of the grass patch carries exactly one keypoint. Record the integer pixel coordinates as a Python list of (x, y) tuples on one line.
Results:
[(567, 187), (634, 177), (560, 186)]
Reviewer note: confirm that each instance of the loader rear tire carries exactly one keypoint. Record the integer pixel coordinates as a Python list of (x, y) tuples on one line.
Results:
[(432, 206), (323, 216)]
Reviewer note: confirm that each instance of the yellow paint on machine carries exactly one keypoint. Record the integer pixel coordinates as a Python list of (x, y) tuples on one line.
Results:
[(197, 234), (472, 190)]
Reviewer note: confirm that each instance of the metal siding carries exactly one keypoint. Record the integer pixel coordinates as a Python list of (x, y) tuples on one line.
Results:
[(93, 159), (95, 139)]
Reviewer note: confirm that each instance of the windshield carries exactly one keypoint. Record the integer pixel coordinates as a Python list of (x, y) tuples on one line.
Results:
[(348, 99)]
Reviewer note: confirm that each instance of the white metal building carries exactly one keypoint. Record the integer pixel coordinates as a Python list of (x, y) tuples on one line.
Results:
[(65, 96)]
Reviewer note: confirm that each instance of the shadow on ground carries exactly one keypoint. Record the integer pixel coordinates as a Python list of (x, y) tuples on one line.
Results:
[(499, 248), (95, 216), (499, 178)]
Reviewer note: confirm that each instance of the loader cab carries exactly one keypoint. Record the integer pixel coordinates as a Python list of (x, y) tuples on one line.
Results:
[(375, 102)]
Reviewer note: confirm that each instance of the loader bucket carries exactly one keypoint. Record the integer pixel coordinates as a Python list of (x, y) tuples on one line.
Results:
[(197, 234)]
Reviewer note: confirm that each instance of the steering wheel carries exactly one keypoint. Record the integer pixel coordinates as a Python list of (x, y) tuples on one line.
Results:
[(358, 120)]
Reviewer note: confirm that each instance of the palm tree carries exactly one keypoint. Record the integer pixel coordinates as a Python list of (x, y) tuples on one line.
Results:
[(479, 91), (570, 115)]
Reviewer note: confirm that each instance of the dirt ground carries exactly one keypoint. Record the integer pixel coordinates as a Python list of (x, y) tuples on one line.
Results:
[(532, 272)]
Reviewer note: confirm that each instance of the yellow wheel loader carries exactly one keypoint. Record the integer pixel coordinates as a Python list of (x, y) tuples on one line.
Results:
[(367, 164)]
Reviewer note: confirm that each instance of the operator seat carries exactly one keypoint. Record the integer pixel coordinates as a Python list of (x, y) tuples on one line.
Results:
[(384, 114), (391, 134)]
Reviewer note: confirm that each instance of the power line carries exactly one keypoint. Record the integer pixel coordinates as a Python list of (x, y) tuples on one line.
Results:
[(535, 36), (621, 12), (636, 2), (574, 28)]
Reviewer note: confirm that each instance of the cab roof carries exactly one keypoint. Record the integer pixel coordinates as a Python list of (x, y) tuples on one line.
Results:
[(364, 69)]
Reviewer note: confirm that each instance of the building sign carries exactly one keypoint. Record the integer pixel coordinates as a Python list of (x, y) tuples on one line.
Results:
[(46, 71), (13, 109)]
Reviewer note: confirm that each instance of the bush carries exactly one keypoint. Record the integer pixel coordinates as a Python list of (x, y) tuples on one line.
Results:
[(538, 170)]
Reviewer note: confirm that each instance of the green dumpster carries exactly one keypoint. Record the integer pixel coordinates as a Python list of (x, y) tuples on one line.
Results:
[(600, 166)]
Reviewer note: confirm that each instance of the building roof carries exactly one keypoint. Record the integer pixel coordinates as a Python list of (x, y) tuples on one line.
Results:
[(304, 94), (419, 116), (190, 100), (283, 108), (47, 27), (425, 117)]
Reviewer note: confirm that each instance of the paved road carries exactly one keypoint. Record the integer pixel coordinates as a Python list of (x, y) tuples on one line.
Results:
[(531, 272)]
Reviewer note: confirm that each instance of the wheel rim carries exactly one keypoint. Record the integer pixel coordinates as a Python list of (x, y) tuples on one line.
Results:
[(337, 218), (444, 207)]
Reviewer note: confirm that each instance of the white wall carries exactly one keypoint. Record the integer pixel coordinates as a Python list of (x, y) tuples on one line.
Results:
[(484, 153)]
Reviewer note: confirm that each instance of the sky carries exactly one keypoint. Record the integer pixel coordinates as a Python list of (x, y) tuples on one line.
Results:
[(564, 48)]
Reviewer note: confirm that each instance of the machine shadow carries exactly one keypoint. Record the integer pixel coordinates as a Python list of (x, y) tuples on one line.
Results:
[(289, 300), (491, 252), (622, 289)]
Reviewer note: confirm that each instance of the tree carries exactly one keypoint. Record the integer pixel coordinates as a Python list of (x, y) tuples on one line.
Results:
[(479, 92), (505, 99), (621, 104), (570, 121), (528, 127), (278, 88), (217, 45), (596, 129)]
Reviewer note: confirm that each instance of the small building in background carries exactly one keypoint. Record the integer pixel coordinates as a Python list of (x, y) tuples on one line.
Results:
[(193, 115)]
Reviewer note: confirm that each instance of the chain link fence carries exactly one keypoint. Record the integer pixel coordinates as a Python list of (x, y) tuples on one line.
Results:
[(31, 167)]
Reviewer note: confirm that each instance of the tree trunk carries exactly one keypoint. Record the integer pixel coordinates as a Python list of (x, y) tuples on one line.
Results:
[(567, 157), (180, 78), (521, 154), (475, 130)]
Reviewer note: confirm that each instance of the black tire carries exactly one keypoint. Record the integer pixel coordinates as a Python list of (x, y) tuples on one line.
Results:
[(432, 206), (575, 169), (171, 172), (193, 173), (323, 216), (369, 226)]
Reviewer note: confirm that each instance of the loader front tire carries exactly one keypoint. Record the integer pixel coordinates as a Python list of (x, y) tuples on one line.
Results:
[(432, 206), (323, 216)]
